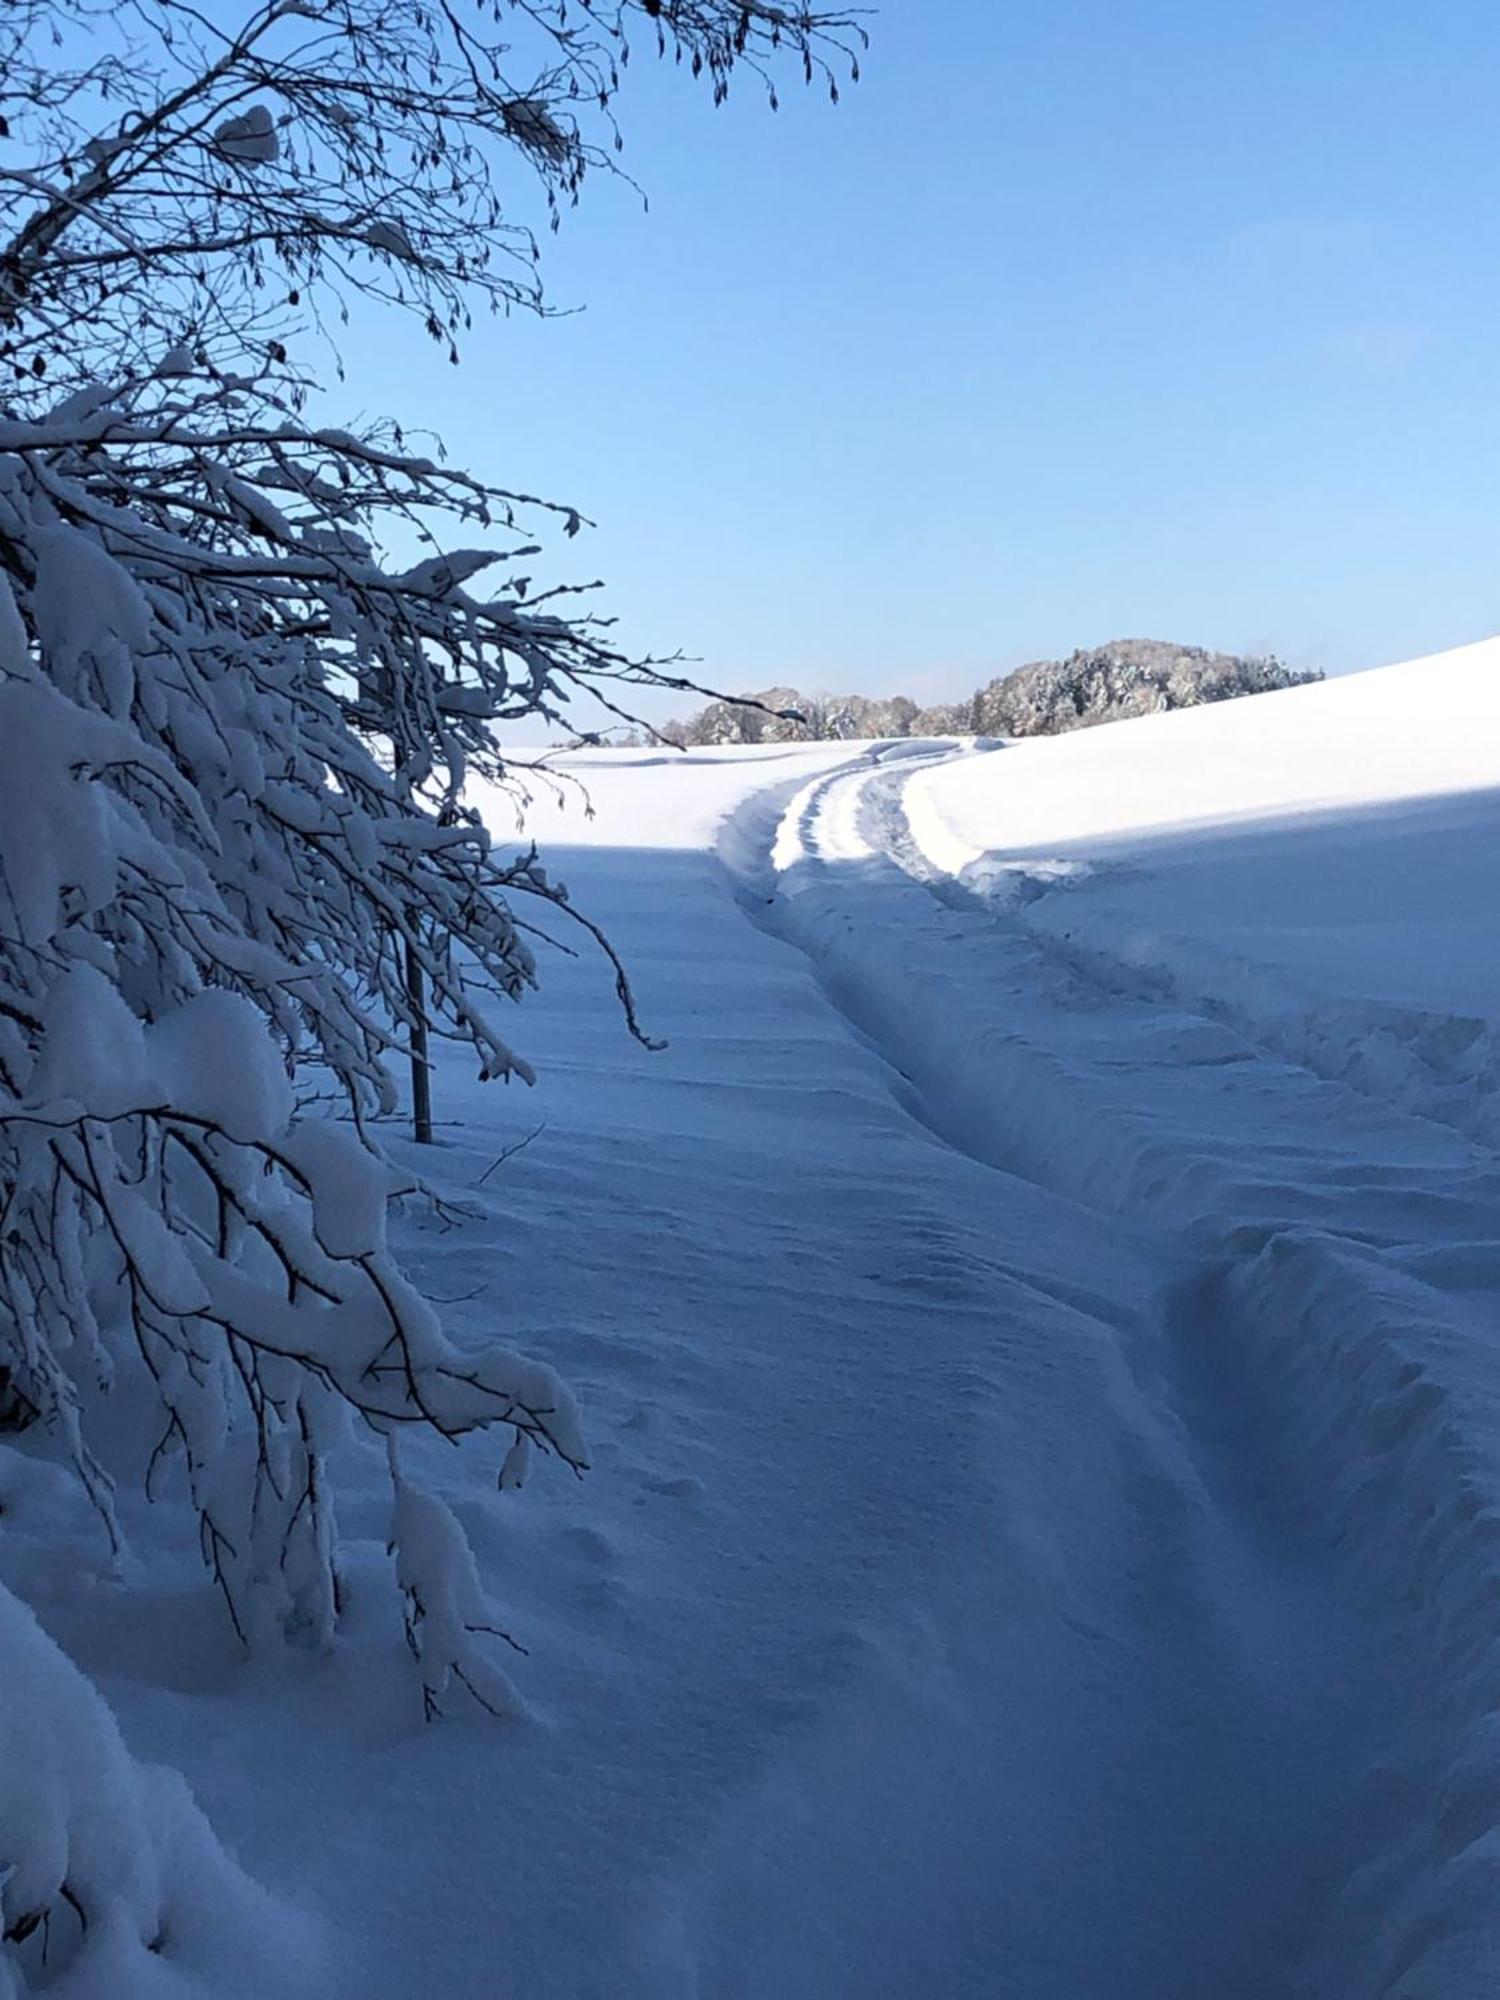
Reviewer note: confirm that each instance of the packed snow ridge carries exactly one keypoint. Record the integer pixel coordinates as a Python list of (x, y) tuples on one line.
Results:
[(1034, 1327)]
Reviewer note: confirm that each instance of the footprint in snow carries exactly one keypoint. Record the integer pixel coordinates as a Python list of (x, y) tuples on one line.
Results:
[(684, 1487), (592, 1546)]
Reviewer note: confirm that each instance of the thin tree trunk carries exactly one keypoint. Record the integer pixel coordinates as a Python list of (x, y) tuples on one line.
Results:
[(421, 1075)]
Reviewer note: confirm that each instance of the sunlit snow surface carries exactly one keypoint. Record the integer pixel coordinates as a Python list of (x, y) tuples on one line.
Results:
[(1036, 1330)]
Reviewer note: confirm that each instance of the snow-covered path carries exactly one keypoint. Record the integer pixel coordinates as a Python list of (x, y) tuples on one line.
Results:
[(1087, 1553), (1045, 1530), (1254, 1748)]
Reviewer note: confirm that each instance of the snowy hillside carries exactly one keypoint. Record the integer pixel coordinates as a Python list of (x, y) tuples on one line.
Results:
[(1321, 865), (1034, 1329)]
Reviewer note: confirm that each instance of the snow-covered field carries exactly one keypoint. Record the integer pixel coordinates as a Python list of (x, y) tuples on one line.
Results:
[(1036, 1330)]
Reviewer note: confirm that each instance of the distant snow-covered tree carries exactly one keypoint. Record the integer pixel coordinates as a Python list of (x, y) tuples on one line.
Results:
[(236, 727), (1125, 678), (1104, 684)]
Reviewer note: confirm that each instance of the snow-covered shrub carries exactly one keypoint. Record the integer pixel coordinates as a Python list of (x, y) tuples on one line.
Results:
[(209, 889), (236, 726), (247, 663)]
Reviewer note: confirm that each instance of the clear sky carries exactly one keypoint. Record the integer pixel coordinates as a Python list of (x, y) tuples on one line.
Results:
[(1076, 319)]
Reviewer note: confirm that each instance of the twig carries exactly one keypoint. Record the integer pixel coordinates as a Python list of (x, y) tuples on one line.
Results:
[(509, 1154)]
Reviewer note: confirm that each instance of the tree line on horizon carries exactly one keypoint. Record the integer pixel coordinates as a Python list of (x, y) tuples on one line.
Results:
[(1109, 683)]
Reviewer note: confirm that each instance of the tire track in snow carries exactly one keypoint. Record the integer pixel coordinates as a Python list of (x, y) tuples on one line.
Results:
[(1442, 1066), (1297, 1645)]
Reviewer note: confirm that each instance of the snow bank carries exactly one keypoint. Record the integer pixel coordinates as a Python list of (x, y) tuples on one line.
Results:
[(1319, 867), (1390, 1390), (1423, 729), (111, 1881)]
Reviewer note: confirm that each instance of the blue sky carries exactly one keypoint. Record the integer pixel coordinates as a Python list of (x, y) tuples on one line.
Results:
[(1072, 321)]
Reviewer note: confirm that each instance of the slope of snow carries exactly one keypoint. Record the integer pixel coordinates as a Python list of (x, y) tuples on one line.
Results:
[(1423, 730), (1044, 1530), (1320, 867)]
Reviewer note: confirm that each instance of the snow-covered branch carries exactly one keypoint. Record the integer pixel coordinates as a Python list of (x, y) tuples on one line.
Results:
[(216, 178), (235, 734)]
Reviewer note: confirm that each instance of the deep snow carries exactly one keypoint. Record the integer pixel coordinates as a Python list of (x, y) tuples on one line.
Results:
[(1035, 1329)]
